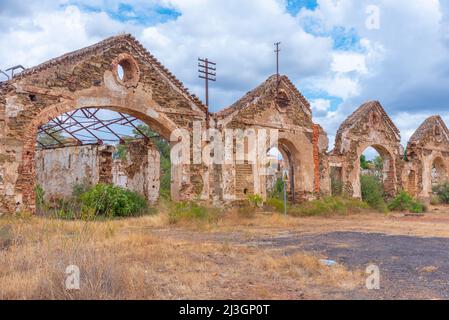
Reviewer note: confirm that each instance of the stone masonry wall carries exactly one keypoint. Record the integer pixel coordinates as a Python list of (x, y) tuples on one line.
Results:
[(140, 171), (59, 170)]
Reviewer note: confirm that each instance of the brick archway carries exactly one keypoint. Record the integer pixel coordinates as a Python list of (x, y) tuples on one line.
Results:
[(369, 126), (26, 173), (439, 173), (291, 163), (388, 177)]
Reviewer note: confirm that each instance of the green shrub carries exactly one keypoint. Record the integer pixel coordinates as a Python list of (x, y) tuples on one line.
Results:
[(372, 193), (336, 186), (275, 204), (255, 200), (112, 201), (405, 202), (278, 190), (79, 189), (328, 206), (40, 193), (191, 211), (442, 191)]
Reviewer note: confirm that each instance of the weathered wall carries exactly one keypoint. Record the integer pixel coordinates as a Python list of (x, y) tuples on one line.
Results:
[(428, 147), (279, 107), (369, 126), (148, 91), (59, 170), (140, 171)]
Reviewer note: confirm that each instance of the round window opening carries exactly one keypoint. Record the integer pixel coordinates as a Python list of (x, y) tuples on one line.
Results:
[(127, 71)]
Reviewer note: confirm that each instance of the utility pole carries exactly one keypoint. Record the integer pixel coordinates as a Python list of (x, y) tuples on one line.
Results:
[(207, 71), (277, 50)]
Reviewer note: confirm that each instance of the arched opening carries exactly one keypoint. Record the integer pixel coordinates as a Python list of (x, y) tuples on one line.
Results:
[(280, 173), (439, 172), (87, 146), (126, 70), (376, 173)]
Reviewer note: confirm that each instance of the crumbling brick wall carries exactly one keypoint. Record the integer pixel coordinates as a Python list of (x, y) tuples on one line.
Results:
[(280, 107), (428, 147), (140, 171), (369, 126), (59, 170), (148, 91)]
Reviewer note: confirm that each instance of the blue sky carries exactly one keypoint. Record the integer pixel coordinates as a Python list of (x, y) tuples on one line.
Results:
[(329, 51)]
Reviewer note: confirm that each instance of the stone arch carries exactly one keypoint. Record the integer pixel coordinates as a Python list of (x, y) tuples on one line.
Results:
[(428, 156), (26, 172), (369, 126), (388, 169), (290, 156)]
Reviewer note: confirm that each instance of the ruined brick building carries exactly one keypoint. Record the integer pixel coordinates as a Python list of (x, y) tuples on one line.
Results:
[(89, 78)]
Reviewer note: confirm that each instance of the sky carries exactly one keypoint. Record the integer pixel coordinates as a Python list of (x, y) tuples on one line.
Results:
[(339, 53)]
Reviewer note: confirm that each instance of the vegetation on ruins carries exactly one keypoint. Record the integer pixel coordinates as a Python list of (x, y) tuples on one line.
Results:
[(277, 191), (191, 211), (88, 202), (372, 192), (328, 206), (442, 192), (336, 186), (112, 201), (405, 202)]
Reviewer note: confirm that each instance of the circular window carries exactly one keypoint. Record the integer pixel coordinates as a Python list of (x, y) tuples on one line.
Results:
[(126, 70)]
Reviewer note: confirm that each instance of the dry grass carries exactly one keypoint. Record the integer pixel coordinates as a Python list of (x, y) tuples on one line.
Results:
[(126, 259), (145, 258)]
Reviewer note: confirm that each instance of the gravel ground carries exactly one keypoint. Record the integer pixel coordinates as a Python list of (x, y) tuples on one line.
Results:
[(410, 267)]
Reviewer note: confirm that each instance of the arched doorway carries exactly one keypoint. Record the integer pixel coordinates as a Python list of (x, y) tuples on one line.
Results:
[(88, 146), (281, 169), (376, 167), (161, 126), (439, 172)]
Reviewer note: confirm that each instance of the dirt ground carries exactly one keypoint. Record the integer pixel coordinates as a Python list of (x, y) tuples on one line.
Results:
[(412, 252), (269, 256)]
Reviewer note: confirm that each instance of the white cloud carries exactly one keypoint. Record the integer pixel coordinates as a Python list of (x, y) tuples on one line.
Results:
[(320, 104), (349, 62), (404, 64)]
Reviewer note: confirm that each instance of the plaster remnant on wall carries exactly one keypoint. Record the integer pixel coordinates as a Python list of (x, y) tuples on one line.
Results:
[(85, 102), (13, 106)]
